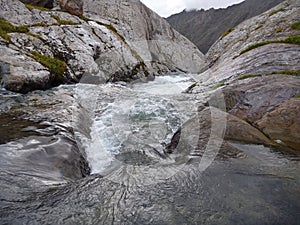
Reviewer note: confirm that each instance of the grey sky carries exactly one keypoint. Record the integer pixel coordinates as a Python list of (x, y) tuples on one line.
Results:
[(166, 8)]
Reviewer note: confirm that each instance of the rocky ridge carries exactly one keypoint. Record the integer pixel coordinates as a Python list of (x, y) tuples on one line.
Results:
[(204, 27)]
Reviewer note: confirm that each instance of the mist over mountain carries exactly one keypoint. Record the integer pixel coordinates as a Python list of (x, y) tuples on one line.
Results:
[(204, 27)]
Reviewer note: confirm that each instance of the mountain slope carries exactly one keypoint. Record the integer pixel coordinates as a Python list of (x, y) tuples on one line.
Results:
[(112, 41), (257, 67), (203, 28)]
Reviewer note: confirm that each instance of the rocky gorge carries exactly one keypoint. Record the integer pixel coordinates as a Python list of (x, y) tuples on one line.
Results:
[(92, 133)]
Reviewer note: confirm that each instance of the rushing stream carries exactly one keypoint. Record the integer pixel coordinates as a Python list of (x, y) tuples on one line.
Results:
[(125, 132)]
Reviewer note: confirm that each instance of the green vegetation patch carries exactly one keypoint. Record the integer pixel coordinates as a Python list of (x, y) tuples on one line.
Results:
[(192, 86), (40, 24), (218, 86), (258, 27), (227, 32), (297, 96), (84, 18), (138, 67), (31, 7), (293, 39), (63, 22), (249, 76), (285, 72), (295, 26), (113, 29), (56, 66), (6, 27), (35, 35), (276, 11)]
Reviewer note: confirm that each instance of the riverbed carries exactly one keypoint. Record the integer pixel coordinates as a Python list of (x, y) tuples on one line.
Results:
[(133, 178)]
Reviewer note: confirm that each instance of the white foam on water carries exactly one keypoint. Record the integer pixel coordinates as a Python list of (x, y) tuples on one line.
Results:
[(144, 117)]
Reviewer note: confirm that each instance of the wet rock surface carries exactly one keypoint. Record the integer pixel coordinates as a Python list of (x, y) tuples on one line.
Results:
[(38, 145), (230, 192)]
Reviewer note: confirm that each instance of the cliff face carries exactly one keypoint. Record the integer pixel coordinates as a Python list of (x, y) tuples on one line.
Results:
[(203, 28), (114, 40)]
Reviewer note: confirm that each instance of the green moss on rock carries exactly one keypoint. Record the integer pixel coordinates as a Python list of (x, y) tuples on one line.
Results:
[(249, 76), (293, 39), (113, 29), (31, 7), (276, 11), (6, 27), (84, 18), (218, 86), (284, 72), (56, 66), (63, 22), (295, 26), (227, 32)]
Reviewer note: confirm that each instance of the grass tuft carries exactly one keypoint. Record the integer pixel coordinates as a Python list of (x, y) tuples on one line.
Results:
[(218, 86), (63, 22), (35, 35), (249, 76), (276, 11), (56, 66), (31, 7), (227, 32), (295, 26), (293, 39), (285, 72), (258, 27), (113, 29), (40, 24), (84, 18), (256, 45), (6, 27)]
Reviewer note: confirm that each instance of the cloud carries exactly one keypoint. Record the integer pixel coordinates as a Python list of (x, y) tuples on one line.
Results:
[(168, 7)]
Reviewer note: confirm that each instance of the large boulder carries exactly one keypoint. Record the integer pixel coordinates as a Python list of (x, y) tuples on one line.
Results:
[(22, 73), (283, 123), (213, 130), (74, 7), (269, 104)]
